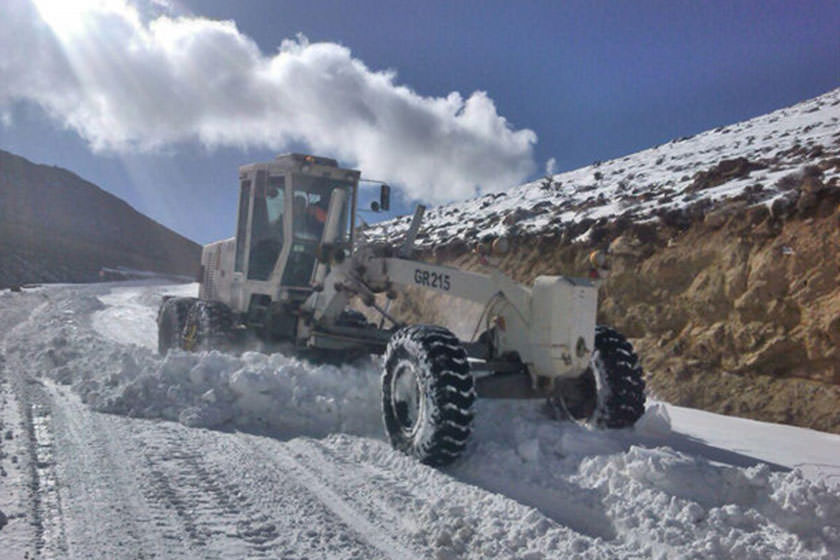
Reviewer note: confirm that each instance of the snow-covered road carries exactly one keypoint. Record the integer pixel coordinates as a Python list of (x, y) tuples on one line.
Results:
[(105, 454)]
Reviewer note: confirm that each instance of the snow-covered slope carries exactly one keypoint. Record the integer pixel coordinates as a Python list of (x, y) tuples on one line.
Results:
[(748, 159), (310, 475)]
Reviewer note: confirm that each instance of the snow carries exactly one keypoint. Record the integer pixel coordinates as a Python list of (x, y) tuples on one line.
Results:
[(303, 452), (640, 186), (815, 454)]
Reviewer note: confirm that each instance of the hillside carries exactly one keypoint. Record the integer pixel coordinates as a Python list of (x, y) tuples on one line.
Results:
[(724, 261), (57, 227)]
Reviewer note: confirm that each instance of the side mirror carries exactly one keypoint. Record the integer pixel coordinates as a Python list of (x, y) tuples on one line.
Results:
[(385, 197), (374, 206)]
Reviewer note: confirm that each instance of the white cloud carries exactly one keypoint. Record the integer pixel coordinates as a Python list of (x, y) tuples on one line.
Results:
[(551, 166), (125, 84), (167, 5)]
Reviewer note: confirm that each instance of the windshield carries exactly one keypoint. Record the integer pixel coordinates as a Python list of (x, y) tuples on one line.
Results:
[(311, 200), (311, 203)]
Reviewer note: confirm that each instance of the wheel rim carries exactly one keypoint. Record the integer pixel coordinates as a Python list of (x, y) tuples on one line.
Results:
[(406, 404)]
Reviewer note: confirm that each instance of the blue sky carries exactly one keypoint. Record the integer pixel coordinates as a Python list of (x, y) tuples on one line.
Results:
[(590, 80)]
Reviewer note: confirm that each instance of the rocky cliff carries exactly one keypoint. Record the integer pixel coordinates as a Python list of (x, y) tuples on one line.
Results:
[(57, 227), (724, 256)]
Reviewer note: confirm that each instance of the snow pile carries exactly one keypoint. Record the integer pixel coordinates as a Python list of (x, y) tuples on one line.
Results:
[(656, 420), (272, 394), (718, 512), (750, 161), (715, 511), (592, 494), (275, 394), (635, 490)]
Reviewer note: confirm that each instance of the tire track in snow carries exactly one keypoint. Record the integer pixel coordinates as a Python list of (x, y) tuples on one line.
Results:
[(44, 506), (164, 490), (233, 497), (446, 517), (50, 537), (16, 531), (84, 502), (377, 494), (179, 483), (323, 488), (96, 463)]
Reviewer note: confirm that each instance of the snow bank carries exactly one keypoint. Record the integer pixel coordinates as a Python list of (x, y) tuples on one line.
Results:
[(272, 394), (636, 491), (714, 511), (578, 493), (275, 394)]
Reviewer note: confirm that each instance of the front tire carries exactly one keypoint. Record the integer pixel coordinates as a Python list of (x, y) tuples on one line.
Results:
[(172, 316), (208, 326), (427, 394)]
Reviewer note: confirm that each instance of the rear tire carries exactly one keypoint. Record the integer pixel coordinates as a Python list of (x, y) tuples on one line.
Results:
[(427, 394), (611, 392), (619, 381), (172, 316), (208, 326)]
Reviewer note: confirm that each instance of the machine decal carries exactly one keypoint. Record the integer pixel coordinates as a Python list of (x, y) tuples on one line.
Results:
[(431, 279)]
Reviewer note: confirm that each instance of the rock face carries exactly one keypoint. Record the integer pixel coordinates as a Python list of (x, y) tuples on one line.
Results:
[(57, 227), (742, 318)]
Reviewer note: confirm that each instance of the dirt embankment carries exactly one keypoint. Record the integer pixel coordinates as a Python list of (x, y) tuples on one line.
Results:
[(734, 309)]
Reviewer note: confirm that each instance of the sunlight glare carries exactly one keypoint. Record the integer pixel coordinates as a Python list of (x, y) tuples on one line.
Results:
[(68, 18)]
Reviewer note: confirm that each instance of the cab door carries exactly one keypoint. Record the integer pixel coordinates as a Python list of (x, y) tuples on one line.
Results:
[(242, 231), (261, 235), (267, 235)]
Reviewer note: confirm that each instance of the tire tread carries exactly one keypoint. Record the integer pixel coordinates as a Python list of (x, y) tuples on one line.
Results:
[(451, 385)]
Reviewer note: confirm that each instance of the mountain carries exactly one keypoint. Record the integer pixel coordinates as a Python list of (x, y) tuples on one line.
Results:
[(723, 256), (57, 227)]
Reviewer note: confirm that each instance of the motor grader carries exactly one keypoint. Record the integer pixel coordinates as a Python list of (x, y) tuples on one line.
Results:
[(297, 262)]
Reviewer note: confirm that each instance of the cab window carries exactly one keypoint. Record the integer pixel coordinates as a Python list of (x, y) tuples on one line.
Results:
[(311, 203), (242, 225), (266, 228)]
